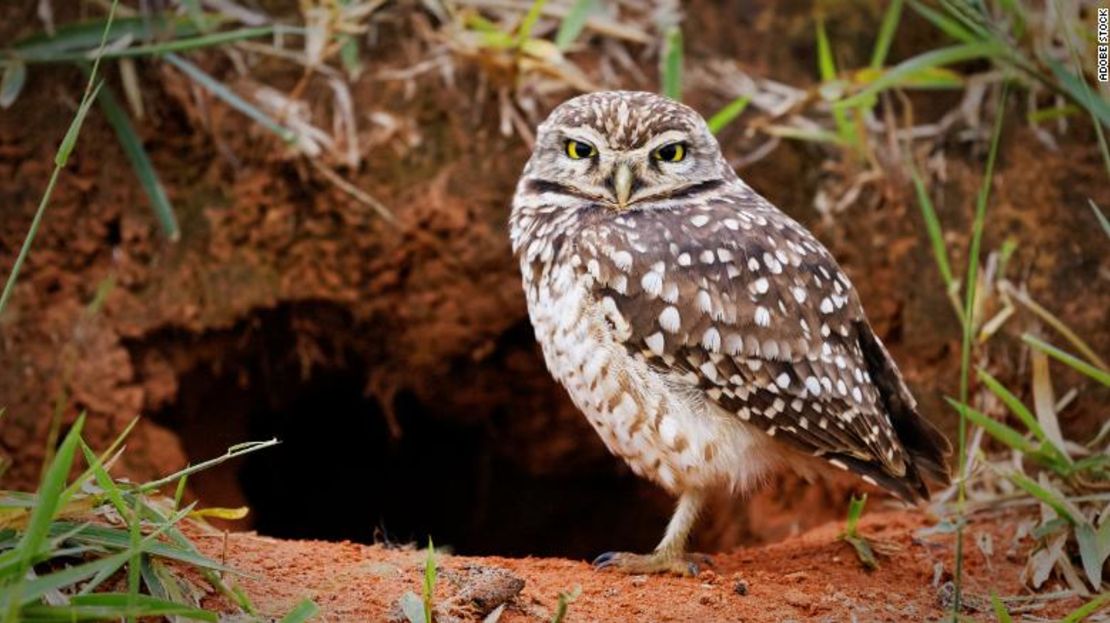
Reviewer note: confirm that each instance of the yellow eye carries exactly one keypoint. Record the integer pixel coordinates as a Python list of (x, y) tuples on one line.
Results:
[(671, 152), (578, 150)]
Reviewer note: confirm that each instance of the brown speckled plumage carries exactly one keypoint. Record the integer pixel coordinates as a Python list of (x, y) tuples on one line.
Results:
[(708, 337)]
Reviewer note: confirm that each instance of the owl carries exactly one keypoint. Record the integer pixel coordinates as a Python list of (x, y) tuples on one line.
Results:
[(709, 339)]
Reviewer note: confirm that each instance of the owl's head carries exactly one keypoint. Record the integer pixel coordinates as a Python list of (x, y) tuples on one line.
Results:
[(626, 150)]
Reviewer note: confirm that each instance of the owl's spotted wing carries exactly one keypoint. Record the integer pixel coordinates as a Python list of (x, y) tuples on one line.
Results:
[(735, 298)]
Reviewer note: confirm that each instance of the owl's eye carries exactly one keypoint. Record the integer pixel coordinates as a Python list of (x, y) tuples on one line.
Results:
[(578, 150), (671, 152)]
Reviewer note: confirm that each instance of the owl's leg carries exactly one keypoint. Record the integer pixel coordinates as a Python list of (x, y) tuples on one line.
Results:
[(670, 555)]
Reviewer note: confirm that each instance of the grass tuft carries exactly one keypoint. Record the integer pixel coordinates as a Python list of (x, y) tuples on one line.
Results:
[(66, 542), (969, 325), (851, 534), (430, 571), (136, 154), (574, 22), (421, 608), (728, 114), (566, 598)]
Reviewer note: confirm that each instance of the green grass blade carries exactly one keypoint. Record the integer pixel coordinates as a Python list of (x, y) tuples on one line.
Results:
[(429, 582), (671, 77), (1054, 113), (11, 85), (927, 78), (232, 452), (945, 24), (1101, 217), (60, 159), (994, 428), (116, 539), (1090, 554), (1068, 359), (1080, 92), (103, 606), (1082, 612), (140, 162), (115, 496), (968, 326), (179, 491), (524, 33), (809, 136), (933, 228), (1016, 406), (87, 35), (826, 65), (1059, 326), (154, 584), (175, 45), (891, 18), (972, 17), (33, 590), (134, 564), (855, 511), (302, 612), (1094, 104), (196, 15), (1000, 611), (231, 98), (851, 534), (728, 114), (1061, 506), (574, 22), (46, 503), (349, 53), (897, 75), (565, 599), (103, 459)]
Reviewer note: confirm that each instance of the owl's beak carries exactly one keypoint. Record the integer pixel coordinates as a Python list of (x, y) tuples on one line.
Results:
[(622, 185)]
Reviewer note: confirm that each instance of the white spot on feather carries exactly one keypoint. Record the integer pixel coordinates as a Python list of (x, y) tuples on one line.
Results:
[(711, 339), (762, 316), (623, 260), (652, 283), (670, 320)]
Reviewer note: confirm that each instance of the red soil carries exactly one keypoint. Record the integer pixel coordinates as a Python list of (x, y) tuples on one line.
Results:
[(814, 576)]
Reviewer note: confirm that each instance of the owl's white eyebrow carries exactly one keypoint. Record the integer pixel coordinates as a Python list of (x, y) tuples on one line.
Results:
[(585, 134), (670, 136)]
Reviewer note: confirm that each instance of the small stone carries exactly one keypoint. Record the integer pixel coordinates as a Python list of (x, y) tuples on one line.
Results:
[(798, 599), (740, 587)]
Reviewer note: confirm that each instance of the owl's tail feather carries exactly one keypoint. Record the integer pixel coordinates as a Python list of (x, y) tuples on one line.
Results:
[(909, 486), (927, 447)]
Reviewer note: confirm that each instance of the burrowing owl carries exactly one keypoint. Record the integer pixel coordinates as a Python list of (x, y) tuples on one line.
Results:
[(708, 337)]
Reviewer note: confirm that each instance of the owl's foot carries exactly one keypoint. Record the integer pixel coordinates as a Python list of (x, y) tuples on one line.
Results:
[(674, 563)]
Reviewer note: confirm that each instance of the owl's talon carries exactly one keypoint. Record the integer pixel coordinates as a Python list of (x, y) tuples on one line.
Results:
[(681, 564), (701, 559), (604, 560)]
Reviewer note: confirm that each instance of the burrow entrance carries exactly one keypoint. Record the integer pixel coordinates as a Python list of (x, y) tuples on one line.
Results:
[(298, 373)]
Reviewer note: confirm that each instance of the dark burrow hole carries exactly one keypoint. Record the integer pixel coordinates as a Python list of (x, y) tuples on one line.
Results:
[(339, 473)]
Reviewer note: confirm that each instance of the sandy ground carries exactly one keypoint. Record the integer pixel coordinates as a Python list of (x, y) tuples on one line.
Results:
[(280, 280), (812, 577)]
